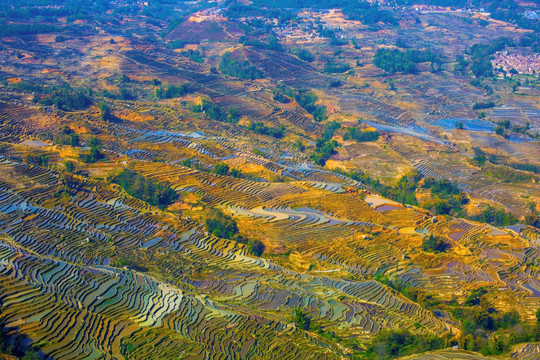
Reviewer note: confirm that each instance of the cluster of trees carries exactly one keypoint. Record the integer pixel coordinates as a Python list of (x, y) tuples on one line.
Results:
[(446, 197), (260, 8), (397, 343), (224, 226), (490, 331), (66, 136), (129, 262), (67, 99), (193, 55), (333, 67), (305, 55), (481, 56), (367, 13), (221, 225), (271, 43), (305, 99), (152, 192), (16, 345), (396, 61), (308, 100), (405, 189), (95, 153), (172, 91), (498, 217), (415, 294), (525, 167), (240, 69), (105, 113), (175, 44), (483, 105), (507, 174), (434, 244), (325, 147), (505, 170), (39, 160), (215, 112), (7, 29), (510, 11), (485, 329), (361, 135), (281, 96), (504, 125), (223, 169), (260, 128), (331, 34)]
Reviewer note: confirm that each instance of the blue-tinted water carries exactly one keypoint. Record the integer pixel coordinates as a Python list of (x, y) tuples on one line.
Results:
[(468, 124)]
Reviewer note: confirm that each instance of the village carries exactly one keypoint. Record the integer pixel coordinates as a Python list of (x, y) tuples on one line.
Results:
[(519, 63)]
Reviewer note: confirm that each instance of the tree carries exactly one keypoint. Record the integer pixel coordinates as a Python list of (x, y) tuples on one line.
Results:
[(479, 156), (95, 151), (221, 169), (434, 244), (300, 318), (256, 247), (69, 166)]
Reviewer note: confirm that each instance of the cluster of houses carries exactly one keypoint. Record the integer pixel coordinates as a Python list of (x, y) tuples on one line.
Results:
[(522, 64)]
